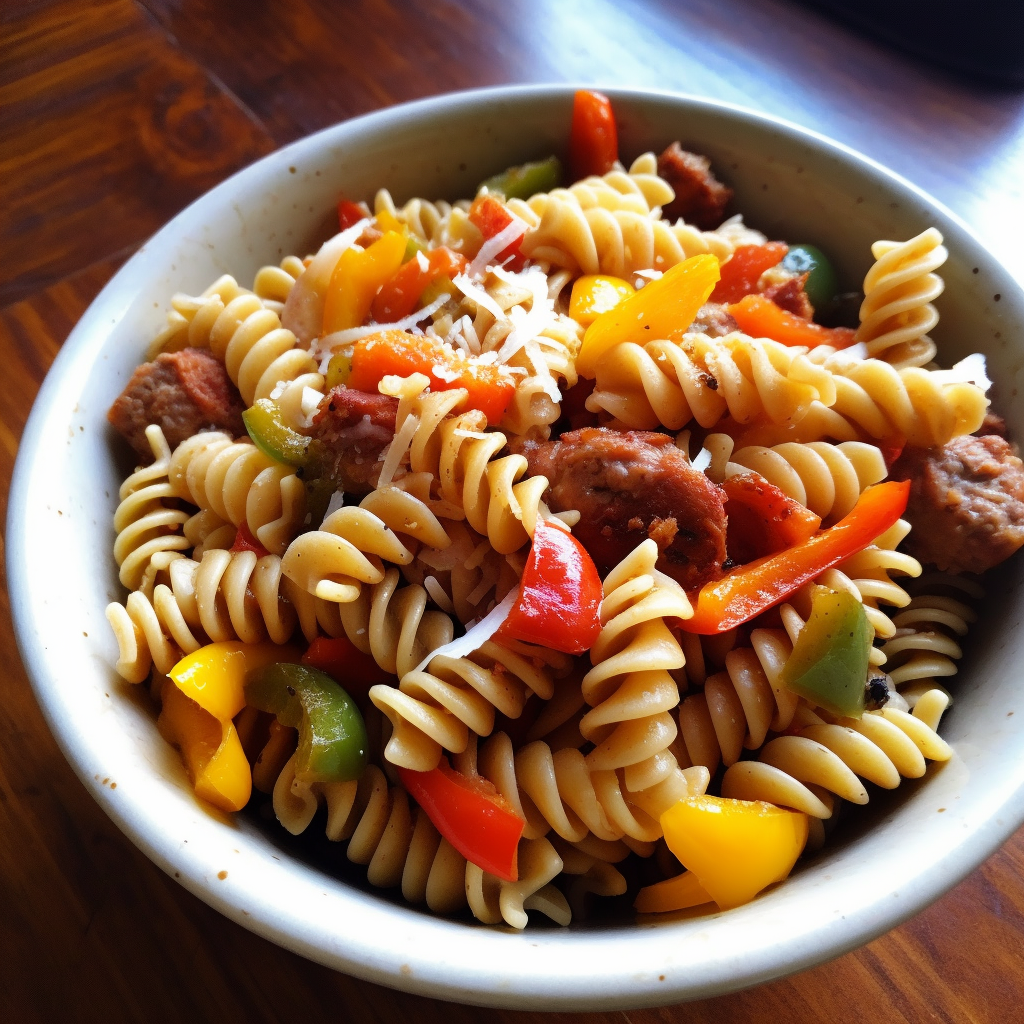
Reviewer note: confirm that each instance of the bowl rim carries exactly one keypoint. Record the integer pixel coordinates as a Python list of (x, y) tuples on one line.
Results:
[(408, 957)]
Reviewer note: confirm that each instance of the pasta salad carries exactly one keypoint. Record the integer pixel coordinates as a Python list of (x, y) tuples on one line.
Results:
[(561, 542)]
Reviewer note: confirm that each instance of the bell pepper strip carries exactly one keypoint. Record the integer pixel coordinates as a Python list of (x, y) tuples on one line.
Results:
[(346, 665), (214, 676), (594, 294), (665, 308), (759, 317), (679, 893), (471, 814), (399, 296), (829, 663), (333, 746), (891, 449), (593, 138), (526, 180), (735, 848), (245, 541), (357, 278), (490, 216), (203, 695), (211, 750), (751, 589), (394, 352), (821, 284), (559, 603), (269, 432), (740, 273), (762, 519), (350, 213)]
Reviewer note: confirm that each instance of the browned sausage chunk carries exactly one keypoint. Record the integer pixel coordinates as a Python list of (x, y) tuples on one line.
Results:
[(183, 392), (966, 503), (701, 198), (356, 427), (714, 320), (790, 296), (631, 486)]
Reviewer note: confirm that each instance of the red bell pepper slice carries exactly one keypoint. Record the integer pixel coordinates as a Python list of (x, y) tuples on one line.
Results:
[(763, 519), (346, 665), (740, 273), (559, 603), (245, 541), (594, 139), (751, 589), (350, 213), (490, 216), (759, 317), (471, 814), (398, 297)]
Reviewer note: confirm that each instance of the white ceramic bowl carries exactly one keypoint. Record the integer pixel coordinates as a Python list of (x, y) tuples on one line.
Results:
[(791, 184)]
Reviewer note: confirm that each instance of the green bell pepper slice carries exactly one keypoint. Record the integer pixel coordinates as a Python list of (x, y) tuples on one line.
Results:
[(526, 180), (829, 663), (822, 284), (333, 746), (273, 436)]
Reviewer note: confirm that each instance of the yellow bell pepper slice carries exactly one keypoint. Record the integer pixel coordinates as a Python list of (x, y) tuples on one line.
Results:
[(205, 692), (214, 676), (357, 278), (735, 848), (211, 750), (679, 893), (665, 308), (594, 294)]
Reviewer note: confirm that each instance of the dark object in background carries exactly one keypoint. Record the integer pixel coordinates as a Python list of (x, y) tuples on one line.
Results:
[(982, 38)]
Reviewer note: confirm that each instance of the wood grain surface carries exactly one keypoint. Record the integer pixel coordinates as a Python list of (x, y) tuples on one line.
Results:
[(115, 114)]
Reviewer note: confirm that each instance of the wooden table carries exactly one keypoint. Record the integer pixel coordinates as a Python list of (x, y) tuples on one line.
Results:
[(115, 114)]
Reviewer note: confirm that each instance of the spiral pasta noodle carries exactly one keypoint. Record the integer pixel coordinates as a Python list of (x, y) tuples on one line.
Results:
[(737, 707), (225, 596), (144, 521), (899, 289), (700, 378), (434, 223), (334, 561), (240, 484), (882, 747), (273, 284), (884, 401), (826, 478), (612, 225)]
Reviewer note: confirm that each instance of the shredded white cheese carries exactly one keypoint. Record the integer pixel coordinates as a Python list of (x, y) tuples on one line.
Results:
[(970, 370), (496, 245), (477, 636), (334, 341), (479, 296)]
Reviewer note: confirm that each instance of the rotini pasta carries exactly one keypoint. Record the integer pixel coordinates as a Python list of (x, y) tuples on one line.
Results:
[(897, 312), (703, 379), (240, 484), (145, 521)]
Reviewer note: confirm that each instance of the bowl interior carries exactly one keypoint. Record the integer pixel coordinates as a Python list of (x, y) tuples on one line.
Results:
[(791, 185)]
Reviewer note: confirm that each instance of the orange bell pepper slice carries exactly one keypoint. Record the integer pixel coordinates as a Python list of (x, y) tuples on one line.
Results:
[(377, 356), (399, 296), (753, 588), (759, 317)]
